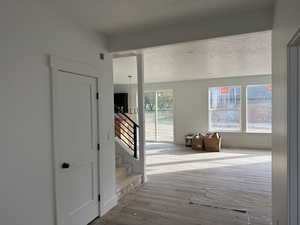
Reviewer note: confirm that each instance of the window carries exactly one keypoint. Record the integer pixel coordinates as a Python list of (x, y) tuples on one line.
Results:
[(159, 120), (225, 109), (259, 108)]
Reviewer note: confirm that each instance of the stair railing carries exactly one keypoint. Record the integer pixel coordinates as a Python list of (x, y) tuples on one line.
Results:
[(126, 130)]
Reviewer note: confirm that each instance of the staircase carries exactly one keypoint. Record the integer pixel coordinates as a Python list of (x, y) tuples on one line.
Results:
[(127, 163), (126, 182), (126, 130)]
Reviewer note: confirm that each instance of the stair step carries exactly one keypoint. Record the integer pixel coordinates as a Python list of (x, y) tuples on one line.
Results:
[(121, 174), (128, 184)]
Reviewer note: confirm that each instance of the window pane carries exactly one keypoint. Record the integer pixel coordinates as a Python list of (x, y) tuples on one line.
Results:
[(224, 109), (225, 120), (159, 116), (259, 108)]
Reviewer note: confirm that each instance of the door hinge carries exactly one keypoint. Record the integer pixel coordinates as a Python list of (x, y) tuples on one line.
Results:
[(97, 95), (98, 147), (101, 56), (99, 198)]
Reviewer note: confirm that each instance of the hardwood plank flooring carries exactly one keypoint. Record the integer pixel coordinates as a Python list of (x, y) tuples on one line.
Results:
[(186, 187)]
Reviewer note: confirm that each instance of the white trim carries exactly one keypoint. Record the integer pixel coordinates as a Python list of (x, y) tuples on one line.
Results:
[(243, 108), (124, 55), (108, 205), (70, 65), (56, 65), (258, 132), (238, 132), (141, 115), (293, 125), (55, 187), (156, 119), (225, 131)]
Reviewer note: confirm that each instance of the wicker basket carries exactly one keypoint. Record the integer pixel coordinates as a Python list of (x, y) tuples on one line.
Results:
[(212, 144), (198, 143)]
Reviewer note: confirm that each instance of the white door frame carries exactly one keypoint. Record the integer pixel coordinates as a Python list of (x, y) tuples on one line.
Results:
[(141, 112), (293, 129), (60, 64)]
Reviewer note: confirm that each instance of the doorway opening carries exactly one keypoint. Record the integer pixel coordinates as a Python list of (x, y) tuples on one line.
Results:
[(293, 125), (223, 107)]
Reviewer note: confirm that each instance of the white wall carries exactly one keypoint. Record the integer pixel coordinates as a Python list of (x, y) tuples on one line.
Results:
[(191, 109), (30, 31), (286, 22)]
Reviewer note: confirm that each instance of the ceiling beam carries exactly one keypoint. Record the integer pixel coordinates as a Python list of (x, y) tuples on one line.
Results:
[(194, 30)]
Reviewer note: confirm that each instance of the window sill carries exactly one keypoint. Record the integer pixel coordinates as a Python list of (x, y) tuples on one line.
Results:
[(258, 132), (224, 131), (239, 132)]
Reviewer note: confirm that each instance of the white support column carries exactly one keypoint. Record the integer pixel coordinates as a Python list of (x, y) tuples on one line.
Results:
[(141, 114), (156, 115)]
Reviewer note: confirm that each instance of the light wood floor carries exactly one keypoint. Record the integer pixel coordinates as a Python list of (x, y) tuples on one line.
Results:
[(232, 187)]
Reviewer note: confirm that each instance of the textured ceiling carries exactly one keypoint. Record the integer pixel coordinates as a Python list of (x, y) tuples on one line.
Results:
[(121, 16), (238, 55)]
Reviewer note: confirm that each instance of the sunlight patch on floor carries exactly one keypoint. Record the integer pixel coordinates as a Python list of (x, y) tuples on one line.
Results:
[(159, 162)]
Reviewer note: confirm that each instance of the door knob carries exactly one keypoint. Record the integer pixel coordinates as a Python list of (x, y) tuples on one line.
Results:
[(65, 165)]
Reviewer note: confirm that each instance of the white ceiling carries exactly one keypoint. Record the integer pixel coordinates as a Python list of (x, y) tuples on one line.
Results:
[(123, 16), (239, 55)]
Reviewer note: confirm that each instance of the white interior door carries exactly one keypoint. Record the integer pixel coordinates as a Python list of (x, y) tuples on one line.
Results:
[(75, 148)]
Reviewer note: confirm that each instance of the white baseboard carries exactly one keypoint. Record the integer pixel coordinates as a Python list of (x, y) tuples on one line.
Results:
[(108, 205)]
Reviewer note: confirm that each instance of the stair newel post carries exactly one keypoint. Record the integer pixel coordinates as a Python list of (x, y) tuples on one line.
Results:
[(135, 141)]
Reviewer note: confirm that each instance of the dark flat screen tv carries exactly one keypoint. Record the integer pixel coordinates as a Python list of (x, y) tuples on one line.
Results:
[(121, 102)]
